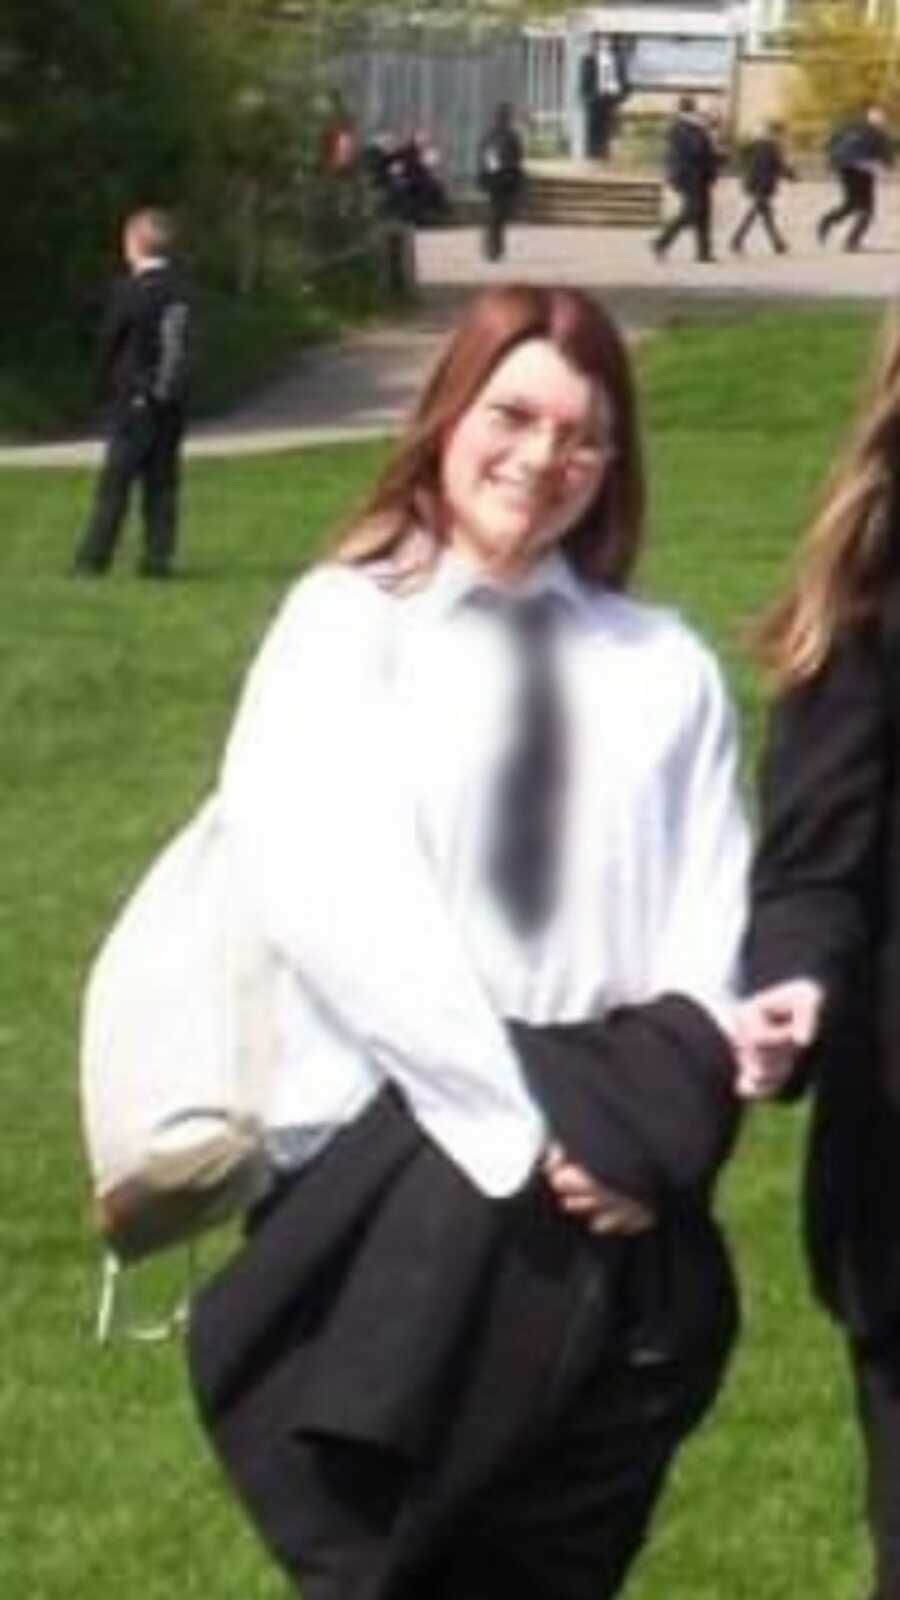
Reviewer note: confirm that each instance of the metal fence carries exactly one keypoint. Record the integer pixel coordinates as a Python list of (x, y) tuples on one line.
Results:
[(444, 82), (548, 89)]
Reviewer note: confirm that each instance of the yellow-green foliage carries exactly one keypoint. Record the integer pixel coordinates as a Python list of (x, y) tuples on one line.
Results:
[(846, 63)]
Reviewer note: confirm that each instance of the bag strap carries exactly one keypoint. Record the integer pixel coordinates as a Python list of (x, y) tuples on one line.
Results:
[(112, 1311)]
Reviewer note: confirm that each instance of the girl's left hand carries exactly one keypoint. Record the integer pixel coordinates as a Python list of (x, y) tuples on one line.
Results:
[(587, 1200)]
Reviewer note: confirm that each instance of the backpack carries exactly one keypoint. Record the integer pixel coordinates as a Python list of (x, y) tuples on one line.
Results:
[(845, 146), (178, 1049)]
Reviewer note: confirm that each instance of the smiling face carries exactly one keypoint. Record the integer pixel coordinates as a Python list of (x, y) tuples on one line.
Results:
[(525, 460)]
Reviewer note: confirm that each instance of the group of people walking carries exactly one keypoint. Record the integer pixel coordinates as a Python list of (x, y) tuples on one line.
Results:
[(694, 158)]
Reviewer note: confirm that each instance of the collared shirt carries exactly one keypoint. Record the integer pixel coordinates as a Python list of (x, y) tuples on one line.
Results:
[(357, 790)]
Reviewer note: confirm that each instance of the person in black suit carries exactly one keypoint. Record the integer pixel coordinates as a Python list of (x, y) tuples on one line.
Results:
[(692, 164), (144, 370), (601, 99), (765, 168), (486, 1298), (823, 949), (589, 94)]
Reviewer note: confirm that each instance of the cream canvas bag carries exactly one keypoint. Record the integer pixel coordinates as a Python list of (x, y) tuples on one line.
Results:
[(178, 1049)]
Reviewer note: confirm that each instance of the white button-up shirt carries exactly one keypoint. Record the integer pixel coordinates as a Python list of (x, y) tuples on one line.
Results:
[(357, 789)]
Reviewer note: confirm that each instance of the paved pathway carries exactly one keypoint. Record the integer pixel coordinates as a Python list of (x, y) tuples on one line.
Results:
[(364, 385)]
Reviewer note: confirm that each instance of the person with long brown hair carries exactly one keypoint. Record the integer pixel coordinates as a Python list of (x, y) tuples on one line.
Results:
[(484, 804), (823, 945)]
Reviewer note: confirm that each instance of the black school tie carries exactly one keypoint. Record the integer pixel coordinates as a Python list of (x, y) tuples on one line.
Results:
[(525, 837)]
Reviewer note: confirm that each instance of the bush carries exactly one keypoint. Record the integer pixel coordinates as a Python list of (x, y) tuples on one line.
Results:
[(105, 108), (169, 102)]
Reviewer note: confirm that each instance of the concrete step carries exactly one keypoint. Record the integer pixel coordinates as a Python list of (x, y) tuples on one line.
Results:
[(599, 202), (592, 186), (585, 201), (541, 219), (598, 215)]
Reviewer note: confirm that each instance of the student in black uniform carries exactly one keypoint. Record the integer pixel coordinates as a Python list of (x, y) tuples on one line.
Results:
[(144, 370), (765, 168), (691, 168), (483, 803), (824, 947), (856, 151), (501, 176)]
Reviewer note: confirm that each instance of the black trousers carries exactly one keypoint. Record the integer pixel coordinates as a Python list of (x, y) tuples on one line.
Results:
[(876, 1370), (760, 209), (598, 126), (695, 214), (563, 1523), (857, 201), (500, 208), (560, 1510), (144, 446)]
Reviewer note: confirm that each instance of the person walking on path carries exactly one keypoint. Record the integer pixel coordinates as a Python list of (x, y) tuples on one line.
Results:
[(501, 176), (765, 168), (691, 168), (144, 368), (855, 152)]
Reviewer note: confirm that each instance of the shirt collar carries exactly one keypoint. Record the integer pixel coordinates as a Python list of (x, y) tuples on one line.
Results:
[(150, 264), (455, 578)]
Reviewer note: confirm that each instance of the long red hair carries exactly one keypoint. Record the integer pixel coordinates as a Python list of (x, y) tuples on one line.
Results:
[(403, 524)]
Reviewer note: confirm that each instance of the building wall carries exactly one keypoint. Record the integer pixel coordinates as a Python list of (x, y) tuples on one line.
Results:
[(761, 85)]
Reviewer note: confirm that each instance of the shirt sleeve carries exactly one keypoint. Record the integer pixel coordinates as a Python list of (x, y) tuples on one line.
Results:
[(322, 824), (699, 950)]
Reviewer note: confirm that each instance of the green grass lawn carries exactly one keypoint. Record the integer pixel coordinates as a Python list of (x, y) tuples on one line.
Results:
[(114, 699)]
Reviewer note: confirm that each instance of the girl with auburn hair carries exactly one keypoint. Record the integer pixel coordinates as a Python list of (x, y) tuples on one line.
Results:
[(405, 519), (823, 946), (483, 804)]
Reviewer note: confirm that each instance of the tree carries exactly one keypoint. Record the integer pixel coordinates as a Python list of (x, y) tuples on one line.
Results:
[(105, 108), (846, 62)]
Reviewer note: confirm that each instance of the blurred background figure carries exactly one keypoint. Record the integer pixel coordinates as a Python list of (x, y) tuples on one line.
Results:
[(764, 168), (429, 199), (501, 174), (856, 151), (339, 147), (692, 162), (405, 172), (588, 93), (387, 169), (603, 85)]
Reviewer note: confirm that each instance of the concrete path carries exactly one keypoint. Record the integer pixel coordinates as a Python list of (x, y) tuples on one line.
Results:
[(363, 386)]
